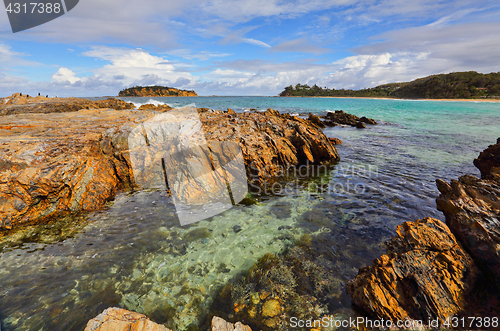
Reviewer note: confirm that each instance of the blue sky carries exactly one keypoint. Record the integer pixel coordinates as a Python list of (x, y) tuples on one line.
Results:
[(252, 47)]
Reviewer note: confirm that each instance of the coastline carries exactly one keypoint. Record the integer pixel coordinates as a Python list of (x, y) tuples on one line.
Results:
[(383, 98)]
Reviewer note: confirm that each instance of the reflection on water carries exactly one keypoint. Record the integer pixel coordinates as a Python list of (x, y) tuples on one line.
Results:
[(134, 254)]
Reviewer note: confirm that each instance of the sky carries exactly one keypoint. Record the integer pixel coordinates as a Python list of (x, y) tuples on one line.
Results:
[(247, 47)]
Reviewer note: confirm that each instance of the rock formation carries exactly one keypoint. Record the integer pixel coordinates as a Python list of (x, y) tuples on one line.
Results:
[(472, 210), (424, 275), (117, 319), (71, 161), (61, 162), (341, 117), (156, 91), (271, 142)]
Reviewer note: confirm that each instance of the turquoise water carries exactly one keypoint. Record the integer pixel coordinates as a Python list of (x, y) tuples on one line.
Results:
[(134, 254)]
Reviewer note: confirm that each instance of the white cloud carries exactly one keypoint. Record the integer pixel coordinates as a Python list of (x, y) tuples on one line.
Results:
[(255, 42), (64, 75)]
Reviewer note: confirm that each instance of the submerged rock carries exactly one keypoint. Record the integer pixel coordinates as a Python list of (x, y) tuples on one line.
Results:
[(424, 275), (117, 319), (472, 210), (218, 324)]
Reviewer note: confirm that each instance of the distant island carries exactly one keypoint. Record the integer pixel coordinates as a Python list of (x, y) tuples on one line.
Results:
[(156, 91), (456, 85)]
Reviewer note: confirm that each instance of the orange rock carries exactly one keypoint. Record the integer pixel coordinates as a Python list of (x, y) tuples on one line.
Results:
[(472, 210), (69, 161), (426, 274), (117, 319)]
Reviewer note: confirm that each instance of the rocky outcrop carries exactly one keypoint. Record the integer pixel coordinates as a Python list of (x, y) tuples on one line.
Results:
[(63, 162), (117, 319), (23, 104), (156, 91), (488, 162), (57, 163), (424, 275), (339, 117), (271, 142), (472, 210)]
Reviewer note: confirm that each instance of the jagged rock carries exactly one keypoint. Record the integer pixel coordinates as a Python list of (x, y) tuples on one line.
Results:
[(335, 141), (316, 121), (341, 117), (488, 162), (270, 142), (360, 125), (47, 169), (218, 324), (367, 120), (425, 274), (150, 106), (230, 111), (117, 319), (472, 210)]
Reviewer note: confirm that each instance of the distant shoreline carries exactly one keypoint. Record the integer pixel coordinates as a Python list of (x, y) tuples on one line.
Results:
[(384, 98)]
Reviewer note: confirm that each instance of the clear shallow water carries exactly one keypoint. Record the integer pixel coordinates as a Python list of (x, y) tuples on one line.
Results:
[(134, 254)]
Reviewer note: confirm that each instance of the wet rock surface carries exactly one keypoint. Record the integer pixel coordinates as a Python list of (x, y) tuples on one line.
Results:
[(218, 324), (117, 319), (69, 161), (424, 275)]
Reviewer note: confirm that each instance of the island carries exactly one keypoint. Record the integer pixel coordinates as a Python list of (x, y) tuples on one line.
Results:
[(156, 91), (456, 85)]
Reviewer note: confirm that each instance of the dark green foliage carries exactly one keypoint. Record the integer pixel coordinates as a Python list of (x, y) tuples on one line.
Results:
[(152, 90), (456, 85)]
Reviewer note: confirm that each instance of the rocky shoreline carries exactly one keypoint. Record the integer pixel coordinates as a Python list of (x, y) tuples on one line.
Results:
[(435, 271), (432, 270), (48, 169)]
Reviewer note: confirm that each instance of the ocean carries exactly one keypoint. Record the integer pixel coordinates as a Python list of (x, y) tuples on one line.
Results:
[(134, 254)]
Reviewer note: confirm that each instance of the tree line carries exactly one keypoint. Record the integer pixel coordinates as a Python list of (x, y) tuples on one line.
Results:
[(456, 85)]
